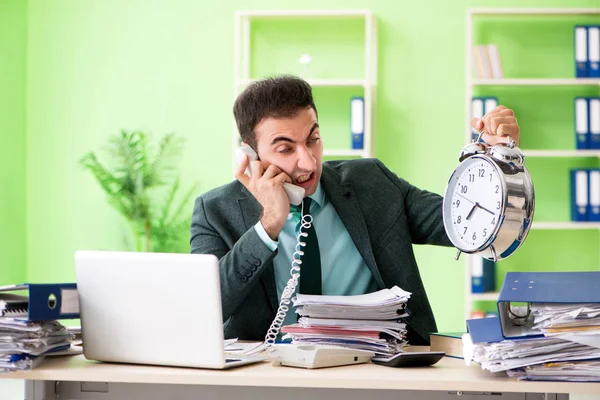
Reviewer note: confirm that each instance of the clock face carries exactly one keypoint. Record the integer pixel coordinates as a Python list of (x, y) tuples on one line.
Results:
[(474, 204)]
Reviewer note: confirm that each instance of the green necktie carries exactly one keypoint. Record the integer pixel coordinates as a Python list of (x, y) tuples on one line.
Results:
[(310, 269)]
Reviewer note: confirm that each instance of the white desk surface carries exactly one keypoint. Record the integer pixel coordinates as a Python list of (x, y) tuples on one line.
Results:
[(448, 374)]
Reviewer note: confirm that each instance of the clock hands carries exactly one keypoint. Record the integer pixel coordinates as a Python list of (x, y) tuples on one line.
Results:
[(475, 206), (483, 208), (470, 214), (465, 198)]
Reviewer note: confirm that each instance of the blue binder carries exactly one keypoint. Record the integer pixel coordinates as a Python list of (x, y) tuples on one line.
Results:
[(579, 195), (485, 330), (542, 287), (593, 210), (580, 37), (483, 275), (357, 122), (594, 122), (594, 51), (582, 123), (42, 301)]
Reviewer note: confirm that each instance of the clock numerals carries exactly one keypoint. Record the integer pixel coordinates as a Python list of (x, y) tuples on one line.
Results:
[(476, 202)]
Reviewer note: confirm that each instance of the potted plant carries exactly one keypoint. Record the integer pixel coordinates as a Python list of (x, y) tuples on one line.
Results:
[(143, 186)]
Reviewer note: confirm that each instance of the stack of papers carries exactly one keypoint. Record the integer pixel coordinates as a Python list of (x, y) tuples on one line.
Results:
[(571, 338), (514, 354), (583, 371), (23, 344), (370, 322)]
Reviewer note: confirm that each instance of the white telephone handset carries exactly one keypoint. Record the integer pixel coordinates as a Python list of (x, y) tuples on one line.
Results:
[(295, 193)]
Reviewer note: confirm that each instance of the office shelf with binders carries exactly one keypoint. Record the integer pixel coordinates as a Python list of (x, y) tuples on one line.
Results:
[(536, 50), (272, 35)]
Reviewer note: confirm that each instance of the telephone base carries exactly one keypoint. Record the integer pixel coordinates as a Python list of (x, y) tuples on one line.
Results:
[(317, 356)]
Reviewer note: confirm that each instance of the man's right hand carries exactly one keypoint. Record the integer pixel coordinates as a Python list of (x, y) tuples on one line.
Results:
[(267, 188)]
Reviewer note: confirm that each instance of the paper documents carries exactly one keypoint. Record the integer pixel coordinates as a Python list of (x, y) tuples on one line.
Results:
[(568, 351), (370, 322), (23, 345)]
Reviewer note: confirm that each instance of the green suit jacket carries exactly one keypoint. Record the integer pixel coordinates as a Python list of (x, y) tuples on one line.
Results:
[(384, 215)]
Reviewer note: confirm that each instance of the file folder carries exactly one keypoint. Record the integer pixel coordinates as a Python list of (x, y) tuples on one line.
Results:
[(476, 112), (357, 122), (485, 330), (483, 275), (594, 122), (525, 288), (41, 302), (579, 195), (581, 123), (594, 195), (594, 51), (581, 52)]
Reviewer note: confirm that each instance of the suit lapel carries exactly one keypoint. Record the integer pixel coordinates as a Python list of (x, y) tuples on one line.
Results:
[(251, 211), (346, 205)]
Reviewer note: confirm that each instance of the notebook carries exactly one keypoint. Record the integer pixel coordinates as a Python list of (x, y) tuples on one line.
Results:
[(152, 308)]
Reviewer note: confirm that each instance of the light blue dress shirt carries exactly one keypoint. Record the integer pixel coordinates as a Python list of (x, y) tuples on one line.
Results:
[(343, 270)]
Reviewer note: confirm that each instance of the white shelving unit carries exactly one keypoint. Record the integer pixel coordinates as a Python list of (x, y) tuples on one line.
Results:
[(471, 83), (242, 62)]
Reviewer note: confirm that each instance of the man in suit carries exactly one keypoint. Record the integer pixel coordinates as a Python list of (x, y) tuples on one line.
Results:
[(365, 217)]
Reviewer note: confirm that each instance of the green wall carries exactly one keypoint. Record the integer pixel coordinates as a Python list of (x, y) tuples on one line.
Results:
[(13, 40), (94, 68)]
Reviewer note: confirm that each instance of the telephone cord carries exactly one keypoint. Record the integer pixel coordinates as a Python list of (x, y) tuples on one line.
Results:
[(291, 285)]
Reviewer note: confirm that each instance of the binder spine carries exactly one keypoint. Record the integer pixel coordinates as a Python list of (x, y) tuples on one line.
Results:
[(53, 301), (594, 195), (579, 195), (594, 51), (476, 112), (581, 52), (357, 122), (581, 123), (594, 122)]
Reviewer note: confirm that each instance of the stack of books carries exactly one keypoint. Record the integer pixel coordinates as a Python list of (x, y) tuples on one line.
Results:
[(371, 322)]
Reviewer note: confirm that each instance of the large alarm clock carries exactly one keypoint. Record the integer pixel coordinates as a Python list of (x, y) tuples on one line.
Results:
[(489, 201)]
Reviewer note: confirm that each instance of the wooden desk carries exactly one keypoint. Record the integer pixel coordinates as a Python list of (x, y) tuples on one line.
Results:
[(448, 377)]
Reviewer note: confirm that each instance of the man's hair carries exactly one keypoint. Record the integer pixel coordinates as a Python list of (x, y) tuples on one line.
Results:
[(276, 97)]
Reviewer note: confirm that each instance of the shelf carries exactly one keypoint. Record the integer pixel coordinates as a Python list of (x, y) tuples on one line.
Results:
[(534, 11), (565, 225), (323, 82), (536, 82), (303, 13), (492, 296), (562, 153), (344, 152)]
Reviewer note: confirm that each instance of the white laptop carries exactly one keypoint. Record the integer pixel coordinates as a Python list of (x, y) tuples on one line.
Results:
[(152, 308)]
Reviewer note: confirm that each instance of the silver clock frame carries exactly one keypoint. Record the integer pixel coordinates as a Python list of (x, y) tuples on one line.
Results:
[(518, 200)]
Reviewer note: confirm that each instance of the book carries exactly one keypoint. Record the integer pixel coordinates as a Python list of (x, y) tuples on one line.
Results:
[(448, 342)]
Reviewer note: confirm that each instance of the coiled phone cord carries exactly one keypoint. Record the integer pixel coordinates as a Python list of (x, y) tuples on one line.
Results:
[(292, 283)]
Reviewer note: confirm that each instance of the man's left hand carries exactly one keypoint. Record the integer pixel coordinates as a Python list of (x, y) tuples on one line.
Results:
[(499, 126)]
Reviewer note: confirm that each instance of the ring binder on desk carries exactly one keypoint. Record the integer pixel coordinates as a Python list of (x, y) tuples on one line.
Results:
[(528, 288), (42, 301)]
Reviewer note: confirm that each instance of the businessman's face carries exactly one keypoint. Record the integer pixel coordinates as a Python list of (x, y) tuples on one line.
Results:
[(294, 145)]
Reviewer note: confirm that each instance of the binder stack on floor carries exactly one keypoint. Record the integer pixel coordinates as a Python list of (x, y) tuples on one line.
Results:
[(29, 330), (548, 328), (370, 322)]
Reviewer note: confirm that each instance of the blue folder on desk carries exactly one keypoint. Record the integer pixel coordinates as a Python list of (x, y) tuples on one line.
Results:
[(40, 302), (541, 287)]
